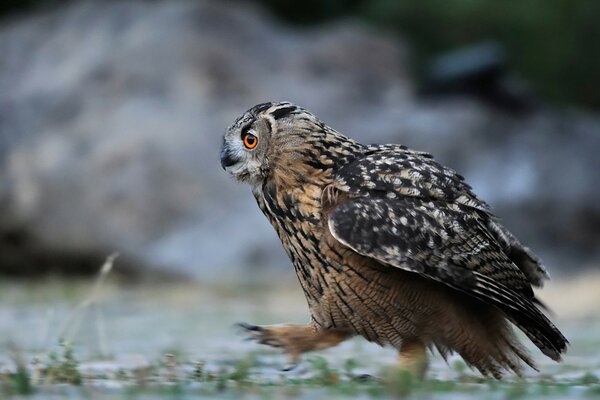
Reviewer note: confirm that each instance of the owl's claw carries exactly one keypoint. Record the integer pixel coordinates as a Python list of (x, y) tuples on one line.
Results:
[(290, 366), (249, 327), (259, 334), (253, 331), (293, 339), (267, 336), (364, 378)]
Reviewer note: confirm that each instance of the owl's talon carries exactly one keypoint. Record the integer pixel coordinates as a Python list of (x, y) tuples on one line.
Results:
[(290, 366), (250, 327), (270, 342), (364, 378), (255, 332), (259, 334)]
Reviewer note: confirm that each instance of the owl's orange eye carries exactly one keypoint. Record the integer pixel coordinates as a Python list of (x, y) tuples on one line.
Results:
[(250, 141)]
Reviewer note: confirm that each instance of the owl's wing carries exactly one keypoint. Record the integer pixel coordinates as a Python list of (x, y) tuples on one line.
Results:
[(425, 220), (440, 241), (393, 171)]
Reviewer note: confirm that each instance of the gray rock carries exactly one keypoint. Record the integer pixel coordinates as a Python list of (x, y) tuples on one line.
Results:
[(111, 116)]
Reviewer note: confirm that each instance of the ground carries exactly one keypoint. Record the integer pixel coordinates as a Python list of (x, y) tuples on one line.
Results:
[(178, 340)]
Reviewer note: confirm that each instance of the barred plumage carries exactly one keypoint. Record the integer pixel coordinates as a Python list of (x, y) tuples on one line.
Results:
[(387, 244)]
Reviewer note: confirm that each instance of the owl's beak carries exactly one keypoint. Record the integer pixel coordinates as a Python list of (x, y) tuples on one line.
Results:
[(227, 160)]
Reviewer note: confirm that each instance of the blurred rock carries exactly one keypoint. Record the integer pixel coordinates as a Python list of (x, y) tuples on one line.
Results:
[(111, 116), (480, 70)]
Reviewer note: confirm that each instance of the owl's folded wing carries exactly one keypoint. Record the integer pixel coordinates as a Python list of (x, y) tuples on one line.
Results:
[(395, 172), (446, 243)]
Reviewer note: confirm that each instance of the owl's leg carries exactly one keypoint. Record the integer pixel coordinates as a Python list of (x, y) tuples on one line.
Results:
[(412, 357), (295, 339)]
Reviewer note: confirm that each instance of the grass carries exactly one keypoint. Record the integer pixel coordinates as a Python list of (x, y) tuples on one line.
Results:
[(188, 349), (170, 376), (62, 366), (19, 381)]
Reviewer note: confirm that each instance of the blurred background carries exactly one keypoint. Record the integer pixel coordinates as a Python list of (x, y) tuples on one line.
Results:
[(112, 115), (112, 112)]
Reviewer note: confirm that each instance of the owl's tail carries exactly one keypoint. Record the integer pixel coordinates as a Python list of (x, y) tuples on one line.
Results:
[(526, 315), (541, 332)]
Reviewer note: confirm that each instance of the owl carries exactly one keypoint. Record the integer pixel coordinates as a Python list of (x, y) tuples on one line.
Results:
[(387, 244)]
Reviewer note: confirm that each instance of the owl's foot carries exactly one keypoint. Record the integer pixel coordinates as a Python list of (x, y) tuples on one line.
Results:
[(413, 358), (294, 339)]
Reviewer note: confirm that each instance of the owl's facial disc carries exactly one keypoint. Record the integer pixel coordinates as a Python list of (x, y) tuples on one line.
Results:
[(245, 146), (237, 156)]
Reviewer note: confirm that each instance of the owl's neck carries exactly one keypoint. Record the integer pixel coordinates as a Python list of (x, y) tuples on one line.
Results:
[(293, 188), (292, 197)]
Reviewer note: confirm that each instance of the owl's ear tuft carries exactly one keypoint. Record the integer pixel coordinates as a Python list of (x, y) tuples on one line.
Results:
[(283, 111), (259, 108)]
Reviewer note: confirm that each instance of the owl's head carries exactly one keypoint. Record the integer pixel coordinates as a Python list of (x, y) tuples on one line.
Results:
[(257, 136)]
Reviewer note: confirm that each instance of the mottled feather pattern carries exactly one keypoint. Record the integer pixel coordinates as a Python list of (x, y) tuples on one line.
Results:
[(440, 234), (424, 237), (529, 263), (391, 245), (396, 172)]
